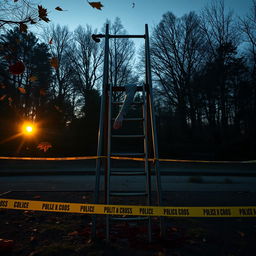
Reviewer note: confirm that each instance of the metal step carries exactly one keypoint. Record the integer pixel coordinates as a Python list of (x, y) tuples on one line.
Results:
[(131, 119), (128, 136), (129, 219), (128, 194), (122, 88), (133, 103), (127, 173)]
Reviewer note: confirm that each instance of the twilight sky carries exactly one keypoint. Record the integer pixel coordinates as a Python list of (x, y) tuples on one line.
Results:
[(79, 12)]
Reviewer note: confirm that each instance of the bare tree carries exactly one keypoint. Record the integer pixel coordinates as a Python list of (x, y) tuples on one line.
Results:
[(220, 29), (86, 57), (177, 46), (21, 13)]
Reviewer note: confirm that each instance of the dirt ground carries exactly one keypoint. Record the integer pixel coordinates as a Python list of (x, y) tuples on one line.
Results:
[(30, 233)]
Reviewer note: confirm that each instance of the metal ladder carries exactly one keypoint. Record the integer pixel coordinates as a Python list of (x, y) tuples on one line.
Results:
[(106, 136)]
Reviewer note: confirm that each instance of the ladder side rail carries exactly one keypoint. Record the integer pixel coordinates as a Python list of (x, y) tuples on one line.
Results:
[(147, 170), (101, 127), (153, 125), (109, 157)]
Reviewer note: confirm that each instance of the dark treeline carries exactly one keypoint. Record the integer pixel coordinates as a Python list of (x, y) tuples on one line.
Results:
[(204, 68)]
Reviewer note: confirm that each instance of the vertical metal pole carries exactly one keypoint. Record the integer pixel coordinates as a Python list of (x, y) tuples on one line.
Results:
[(108, 158), (101, 126), (148, 174), (153, 124)]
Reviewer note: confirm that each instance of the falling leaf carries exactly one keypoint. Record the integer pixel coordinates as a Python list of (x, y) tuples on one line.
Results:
[(36, 197), (58, 108), (96, 5), (133, 5), (23, 27), (10, 99), (22, 90), (242, 234), (17, 68), (74, 233), (32, 79), (58, 8), (50, 42), (54, 62), (42, 92), (42, 13), (44, 146), (2, 97), (32, 21)]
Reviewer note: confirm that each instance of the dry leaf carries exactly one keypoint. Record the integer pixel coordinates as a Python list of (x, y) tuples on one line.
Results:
[(96, 5), (44, 146), (22, 90), (58, 108), (32, 79), (42, 13), (23, 27), (17, 68), (3, 97), (58, 8), (74, 233), (42, 92), (54, 62), (50, 42)]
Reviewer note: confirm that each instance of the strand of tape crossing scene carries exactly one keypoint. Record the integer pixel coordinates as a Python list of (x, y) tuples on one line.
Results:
[(122, 158), (129, 210)]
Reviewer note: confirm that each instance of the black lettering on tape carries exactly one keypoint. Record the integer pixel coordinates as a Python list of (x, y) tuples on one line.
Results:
[(64, 207), (23, 205), (146, 211), (47, 206), (108, 209), (247, 211), (217, 212), (170, 211), (125, 210), (84, 208), (3, 203)]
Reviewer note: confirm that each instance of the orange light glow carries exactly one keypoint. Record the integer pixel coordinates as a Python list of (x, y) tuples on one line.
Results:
[(28, 129)]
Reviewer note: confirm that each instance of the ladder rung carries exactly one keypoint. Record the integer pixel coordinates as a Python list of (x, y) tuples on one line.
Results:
[(122, 88), (129, 219), (123, 173), (128, 194), (131, 119), (127, 154), (121, 103), (128, 136)]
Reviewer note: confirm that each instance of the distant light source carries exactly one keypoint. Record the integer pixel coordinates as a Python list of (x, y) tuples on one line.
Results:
[(28, 129)]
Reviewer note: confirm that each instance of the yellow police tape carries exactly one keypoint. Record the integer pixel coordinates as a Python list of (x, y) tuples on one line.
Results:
[(122, 158), (129, 210)]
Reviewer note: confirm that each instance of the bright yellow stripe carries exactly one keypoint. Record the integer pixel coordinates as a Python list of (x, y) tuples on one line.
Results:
[(129, 210)]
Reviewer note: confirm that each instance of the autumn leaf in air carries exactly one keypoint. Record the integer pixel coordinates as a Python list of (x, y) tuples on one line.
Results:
[(58, 8), (2, 97), (23, 27), (51, 40), (22, 90), (17, 68), (42, 13), (44, 146), (96, 5), (32, 79), (42, 92), (54, 62)]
